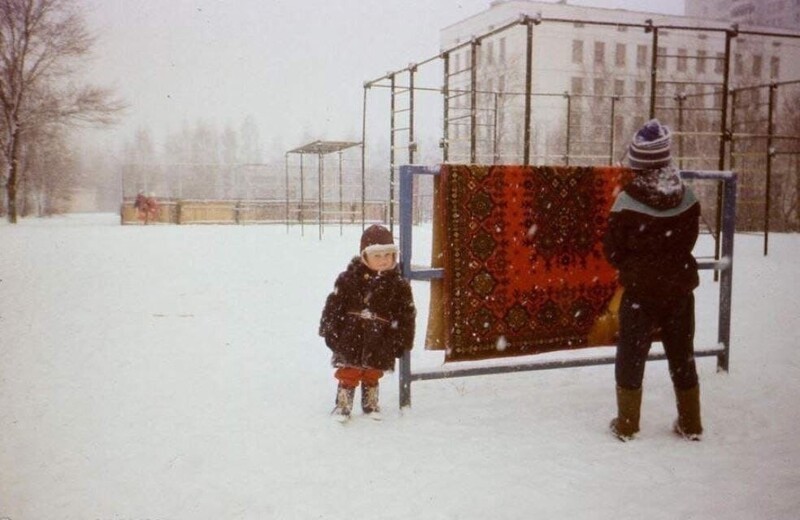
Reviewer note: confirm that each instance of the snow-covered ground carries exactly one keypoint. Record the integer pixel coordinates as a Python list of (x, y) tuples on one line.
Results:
[(170, 373)]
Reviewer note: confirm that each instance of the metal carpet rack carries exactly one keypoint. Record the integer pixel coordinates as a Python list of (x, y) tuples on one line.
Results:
[(723, 266)]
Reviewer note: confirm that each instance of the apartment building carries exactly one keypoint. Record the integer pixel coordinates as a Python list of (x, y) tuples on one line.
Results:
[(772, 13), (593, 77)]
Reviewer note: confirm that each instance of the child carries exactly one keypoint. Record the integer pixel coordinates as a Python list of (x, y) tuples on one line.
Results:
[(652, 230), (368, 321)]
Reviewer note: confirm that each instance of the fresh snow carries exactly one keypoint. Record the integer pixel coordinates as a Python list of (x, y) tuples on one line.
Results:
[(175, 372)]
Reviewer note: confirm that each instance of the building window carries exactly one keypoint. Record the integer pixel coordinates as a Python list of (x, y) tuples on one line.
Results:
[(577, 51), (774, 67), (502, 51), (619, 56), (738, 64), (619, 87), (641, 56), (682, 60), (488, 48), (699, 98), (719, 64), (577, 85), (641, 88), (599, 53), (501, 83), (456, 62), (701, 62), (661, 60), (599, 87), (757, 60)]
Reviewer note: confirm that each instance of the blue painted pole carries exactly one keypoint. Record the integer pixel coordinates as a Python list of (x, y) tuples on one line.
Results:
[(726, 278), (406, 212)]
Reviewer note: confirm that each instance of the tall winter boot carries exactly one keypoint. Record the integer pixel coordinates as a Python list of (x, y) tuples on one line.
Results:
[(344, 403), (369, 401), (688, 424), (626, 424)]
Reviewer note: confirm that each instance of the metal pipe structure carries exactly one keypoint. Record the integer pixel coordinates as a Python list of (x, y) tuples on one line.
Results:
[(653, 67), (473, 101), (319, 193), (724, 266), (364, 158), (526, 156), (286, 160), (770, 154)]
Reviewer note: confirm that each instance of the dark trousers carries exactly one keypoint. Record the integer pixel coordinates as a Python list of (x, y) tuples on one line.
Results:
[(639, 318)]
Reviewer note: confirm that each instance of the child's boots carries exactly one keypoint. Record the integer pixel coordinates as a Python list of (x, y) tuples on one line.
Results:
[(369, 401), (344, 403)]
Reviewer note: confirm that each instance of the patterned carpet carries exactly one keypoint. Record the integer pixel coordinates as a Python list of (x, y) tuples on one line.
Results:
[(522, 252)]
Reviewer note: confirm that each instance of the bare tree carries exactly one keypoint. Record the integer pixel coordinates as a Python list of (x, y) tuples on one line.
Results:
[(42, 45)]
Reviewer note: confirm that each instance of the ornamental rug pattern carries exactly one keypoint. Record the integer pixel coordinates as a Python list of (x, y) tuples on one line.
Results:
[(523, 260)]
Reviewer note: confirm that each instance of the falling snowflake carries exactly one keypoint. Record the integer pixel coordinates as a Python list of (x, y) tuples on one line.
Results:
[(501, 344)]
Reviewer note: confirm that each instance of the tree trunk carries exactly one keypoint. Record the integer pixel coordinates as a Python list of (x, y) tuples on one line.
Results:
[(11, 186)]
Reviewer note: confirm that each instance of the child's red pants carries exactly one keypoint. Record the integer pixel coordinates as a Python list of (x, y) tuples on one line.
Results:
[(350, 377)]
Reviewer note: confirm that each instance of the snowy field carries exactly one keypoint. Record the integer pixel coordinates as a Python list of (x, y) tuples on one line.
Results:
[(175, 373)]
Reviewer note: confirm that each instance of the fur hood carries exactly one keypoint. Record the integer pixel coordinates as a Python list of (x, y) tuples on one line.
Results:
[(660, 189)]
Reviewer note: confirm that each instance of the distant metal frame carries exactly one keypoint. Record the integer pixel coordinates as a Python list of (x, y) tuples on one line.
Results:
[(723, 266), (320, 149)]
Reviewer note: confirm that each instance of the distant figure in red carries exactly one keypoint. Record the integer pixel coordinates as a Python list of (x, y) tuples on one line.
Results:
[(146, 207)]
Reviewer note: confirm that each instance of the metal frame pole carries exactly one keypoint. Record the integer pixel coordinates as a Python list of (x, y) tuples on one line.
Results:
[(725, 134), (526, 158), (569, 128), (770, 154), (406, 201), (341, 203), (302, 197), (320, 196), (364, 158), (726, 276), (680, 98), (473, 101), (445, 142), (391, 153), (613, 136), (653, 68), (286, 160)]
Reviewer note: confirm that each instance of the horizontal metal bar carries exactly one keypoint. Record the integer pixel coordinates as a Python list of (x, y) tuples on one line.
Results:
[(713, 175), (426, 274), (542, 365), (716, 265)]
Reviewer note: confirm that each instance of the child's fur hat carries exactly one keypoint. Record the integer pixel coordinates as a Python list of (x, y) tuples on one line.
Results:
[(375, 239)]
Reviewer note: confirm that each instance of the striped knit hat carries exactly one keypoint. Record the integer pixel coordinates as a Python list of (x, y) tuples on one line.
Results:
[(650, 147)]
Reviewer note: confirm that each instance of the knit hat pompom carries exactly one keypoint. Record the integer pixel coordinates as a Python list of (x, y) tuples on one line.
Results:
[(377, 238), (650, 147)]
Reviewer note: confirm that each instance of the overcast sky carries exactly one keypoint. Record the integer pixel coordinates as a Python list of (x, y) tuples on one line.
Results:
[(296, 66)]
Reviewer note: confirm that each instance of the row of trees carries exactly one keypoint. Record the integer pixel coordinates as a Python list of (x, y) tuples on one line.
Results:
[(43, 45)]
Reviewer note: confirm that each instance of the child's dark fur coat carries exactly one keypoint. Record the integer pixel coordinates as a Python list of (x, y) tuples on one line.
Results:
[(355, 338)]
